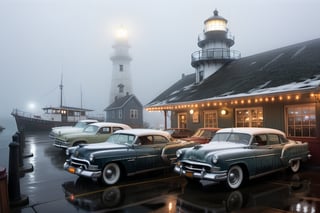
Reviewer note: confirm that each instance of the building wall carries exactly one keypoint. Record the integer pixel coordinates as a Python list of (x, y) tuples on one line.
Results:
[(113, 115), (273, 117), (133, 104)]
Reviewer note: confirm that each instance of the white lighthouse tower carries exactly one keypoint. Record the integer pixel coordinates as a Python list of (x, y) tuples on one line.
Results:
[(215, 42), (121, 84)]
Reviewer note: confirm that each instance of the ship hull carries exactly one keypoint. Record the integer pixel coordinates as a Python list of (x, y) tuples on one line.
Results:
[(28, 124)]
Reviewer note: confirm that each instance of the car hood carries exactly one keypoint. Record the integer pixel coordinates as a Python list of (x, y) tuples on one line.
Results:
[(64, 130), (77, 135), (84, 150), (202, 152)]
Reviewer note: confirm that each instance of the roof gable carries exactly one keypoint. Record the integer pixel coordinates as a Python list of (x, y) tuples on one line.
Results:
[(121, 102)]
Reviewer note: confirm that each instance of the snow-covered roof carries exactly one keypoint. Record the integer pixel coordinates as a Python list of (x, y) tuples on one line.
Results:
[(287, 69), (142, 132), (252, 130), (110, 124)]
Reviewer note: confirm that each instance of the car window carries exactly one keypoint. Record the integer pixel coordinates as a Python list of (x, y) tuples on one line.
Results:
[(91, 129), (273, 139), (105, 130), (159, 139), (207, 134), (121, 139), (198, 133), (260, 140), (115, 128), (233, 137), (220, 137), (81, 124), (145, 140)]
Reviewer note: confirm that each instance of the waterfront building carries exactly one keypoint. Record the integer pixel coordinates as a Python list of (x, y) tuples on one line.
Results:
[(277, 89)]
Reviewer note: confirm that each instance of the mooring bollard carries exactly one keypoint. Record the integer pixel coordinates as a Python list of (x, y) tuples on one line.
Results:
[(22, 168), (22, 140), (16, 138), (15, 197), (4, 200)]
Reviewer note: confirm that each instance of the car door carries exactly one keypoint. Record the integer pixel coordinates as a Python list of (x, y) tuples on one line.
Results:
[(159, 142), (264, 154), (275, 145), (102, 134), (145, 153)]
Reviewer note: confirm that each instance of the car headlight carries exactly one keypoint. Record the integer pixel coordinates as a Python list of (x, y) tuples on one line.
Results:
[(214, 159), (91, 157), (70, 151), (178, 153)]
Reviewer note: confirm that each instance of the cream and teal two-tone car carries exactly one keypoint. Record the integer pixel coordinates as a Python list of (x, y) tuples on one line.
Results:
[(93, 133), (238, 154)]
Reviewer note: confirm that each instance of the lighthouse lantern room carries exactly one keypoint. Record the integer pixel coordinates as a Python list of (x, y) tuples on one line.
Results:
[(215, 42)]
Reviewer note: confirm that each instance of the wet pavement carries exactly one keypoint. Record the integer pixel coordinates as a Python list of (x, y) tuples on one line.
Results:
[(50, 189)]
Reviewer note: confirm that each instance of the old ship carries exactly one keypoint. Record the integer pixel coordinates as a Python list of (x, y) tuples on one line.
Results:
[(52, 117)]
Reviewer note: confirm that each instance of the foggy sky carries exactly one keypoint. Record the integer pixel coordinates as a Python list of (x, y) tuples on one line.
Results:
[(40, 39)]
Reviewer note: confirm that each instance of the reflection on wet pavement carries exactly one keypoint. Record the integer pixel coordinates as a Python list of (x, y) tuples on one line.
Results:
[(161, 191)]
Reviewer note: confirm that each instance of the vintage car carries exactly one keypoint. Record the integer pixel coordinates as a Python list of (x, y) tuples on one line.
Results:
[(179, 132), (125, 153), (202, 135), (237, 154), (78, 127), (93, 133)]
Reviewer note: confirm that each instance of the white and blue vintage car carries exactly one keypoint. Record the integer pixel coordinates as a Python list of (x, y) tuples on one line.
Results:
[(237, 154)]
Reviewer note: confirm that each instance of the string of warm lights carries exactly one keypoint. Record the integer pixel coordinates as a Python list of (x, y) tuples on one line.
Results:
[(231, 102)]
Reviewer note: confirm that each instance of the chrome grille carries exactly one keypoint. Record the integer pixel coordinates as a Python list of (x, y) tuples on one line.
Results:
[(79, 163), (188, 166)]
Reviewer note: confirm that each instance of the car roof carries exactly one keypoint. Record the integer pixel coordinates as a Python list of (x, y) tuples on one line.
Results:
[(142, 132), (111, 124), (252, 130), (209, 128), (177, 129), (88, 120)]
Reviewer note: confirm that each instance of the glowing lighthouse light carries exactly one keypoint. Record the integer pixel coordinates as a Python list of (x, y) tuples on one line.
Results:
[(122, 33), (216, 23)]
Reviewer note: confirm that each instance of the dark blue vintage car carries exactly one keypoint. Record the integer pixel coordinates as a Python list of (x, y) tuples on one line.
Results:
[(126, 152), (237, 154)]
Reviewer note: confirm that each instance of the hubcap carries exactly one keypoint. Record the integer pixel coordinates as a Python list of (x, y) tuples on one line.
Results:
[(233, 177)]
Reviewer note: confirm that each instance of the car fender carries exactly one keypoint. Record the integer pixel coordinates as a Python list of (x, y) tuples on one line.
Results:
[(76, 142), (168, 153), (294, 151)]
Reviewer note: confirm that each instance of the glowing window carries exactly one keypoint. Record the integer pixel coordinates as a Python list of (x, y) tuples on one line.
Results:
[(301, 120)]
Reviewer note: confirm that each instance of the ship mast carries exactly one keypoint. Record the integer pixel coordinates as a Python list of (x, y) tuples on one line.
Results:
[(61, 87)]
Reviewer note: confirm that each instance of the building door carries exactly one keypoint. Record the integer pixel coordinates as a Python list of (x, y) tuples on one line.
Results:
[(182, 120)]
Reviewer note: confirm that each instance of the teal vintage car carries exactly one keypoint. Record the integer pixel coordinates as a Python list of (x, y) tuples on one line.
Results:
[(237, 154), (125, 153)]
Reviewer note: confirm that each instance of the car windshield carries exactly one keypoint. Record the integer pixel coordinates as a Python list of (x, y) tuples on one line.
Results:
[(204, 133), (233, 137), (124, 139), (170, 131), (199, 133), (91, 129), (80, 124)]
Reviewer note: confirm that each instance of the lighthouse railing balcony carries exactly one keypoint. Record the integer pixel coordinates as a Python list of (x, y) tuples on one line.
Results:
[(223, 54)]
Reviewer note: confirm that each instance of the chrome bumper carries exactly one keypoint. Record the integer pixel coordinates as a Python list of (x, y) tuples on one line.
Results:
[(60, 144), (81, 172), (203, 175)]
